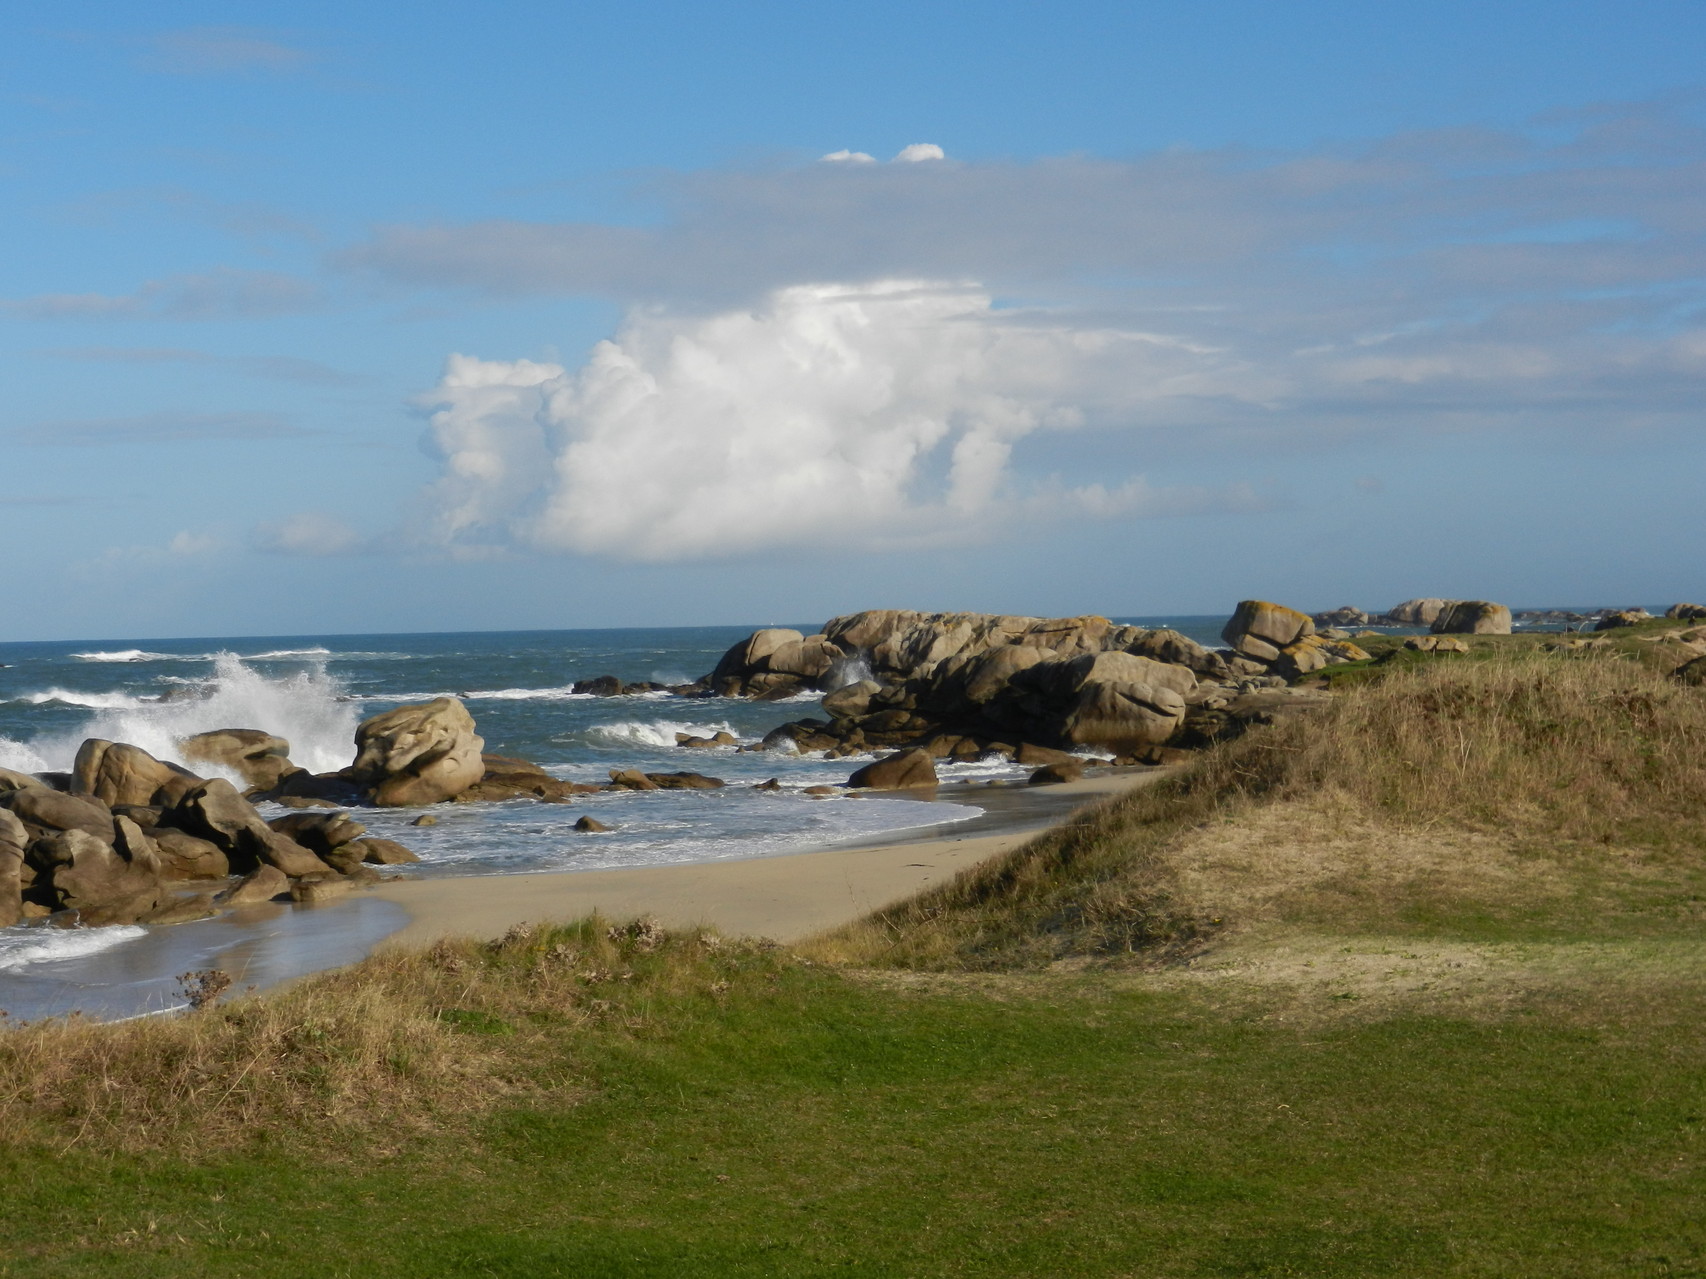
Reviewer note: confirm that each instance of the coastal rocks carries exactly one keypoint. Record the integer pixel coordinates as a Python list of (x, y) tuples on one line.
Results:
[(260, 759), (1313, 653), (899, 771), (691, 741), (852, 700), (1346, 616), (775, 662), (381, 852), (51, 810), (1472, 617), (1259, 629), (263, 884), (11, 780), (320, 833), (14, 838), (684, 781), (214, 811), (118, 773), (105, 883), (591, 826), (420, 754), (508, 778), (1622, 617), (1435, 644), (185, 856), (1418, 612), (1056, 774), (1686, 611), (631, 779)]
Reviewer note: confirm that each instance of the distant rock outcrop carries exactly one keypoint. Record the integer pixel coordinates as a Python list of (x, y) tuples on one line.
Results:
[(1472, 617)]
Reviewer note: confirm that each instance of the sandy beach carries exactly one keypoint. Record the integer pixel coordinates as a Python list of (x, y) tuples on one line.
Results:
[(785, 897)]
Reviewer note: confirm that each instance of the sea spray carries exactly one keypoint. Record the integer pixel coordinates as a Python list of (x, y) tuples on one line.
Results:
[(304, 708)]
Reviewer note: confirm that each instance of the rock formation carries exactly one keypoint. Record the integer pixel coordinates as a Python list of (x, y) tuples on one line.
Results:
[(1472, 617), (419, 754), (259, 758)]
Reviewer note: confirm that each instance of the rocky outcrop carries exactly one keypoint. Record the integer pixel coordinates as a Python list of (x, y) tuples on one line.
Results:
[(11, 780), (1260, 630), (1686, 612), (1418, 612), (118, 773), (105, 883), (1344, 616), (1473, 617), (1622, 617), (214, 811), (13, 840), (420, 754), (901, 771), (776, 662), (1435, 644), (50, 810), (260, 759)]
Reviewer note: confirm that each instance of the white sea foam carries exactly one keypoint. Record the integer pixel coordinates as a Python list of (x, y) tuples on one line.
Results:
[(89, 701), (655, 732), (20, 757), (304, 708), (137, 655), (285, 653), (21, 947), (564, 694)]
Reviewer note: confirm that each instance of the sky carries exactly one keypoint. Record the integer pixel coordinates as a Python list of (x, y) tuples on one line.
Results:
[(357, 318)]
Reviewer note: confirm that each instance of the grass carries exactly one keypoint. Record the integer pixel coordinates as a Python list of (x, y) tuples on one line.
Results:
[(1411, 987)]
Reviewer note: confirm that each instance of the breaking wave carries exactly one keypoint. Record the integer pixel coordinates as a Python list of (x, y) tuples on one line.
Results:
[(659, 732), (21, 947)]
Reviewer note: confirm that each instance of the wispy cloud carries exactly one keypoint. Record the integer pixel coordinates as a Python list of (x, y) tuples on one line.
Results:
[(159, 428), (310, 533), (280, 368), (221, 50), (221, 294)]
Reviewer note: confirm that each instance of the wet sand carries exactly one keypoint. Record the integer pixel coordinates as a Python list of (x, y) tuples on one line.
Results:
[(785, 897)]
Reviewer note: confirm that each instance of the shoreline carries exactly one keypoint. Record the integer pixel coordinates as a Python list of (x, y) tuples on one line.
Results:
[(785, 896)]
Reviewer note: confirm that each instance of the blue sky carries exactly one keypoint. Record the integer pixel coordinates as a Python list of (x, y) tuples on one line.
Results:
[(1330, 303)]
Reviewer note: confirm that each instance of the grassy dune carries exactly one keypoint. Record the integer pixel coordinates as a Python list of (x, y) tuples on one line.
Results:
[(1412, 986)]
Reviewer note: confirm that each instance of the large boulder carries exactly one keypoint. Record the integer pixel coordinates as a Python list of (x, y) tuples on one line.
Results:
[(1686, 612), (105, 883), (10, 779), (1622, 617), (899, 771), (851, 700), (1473, 617), (1259, 629), (419, 754), (119, 773), (51, 810), (1417, 612), (320, 833), (260, 759), (214, 811), (14, 838), (186, 856)]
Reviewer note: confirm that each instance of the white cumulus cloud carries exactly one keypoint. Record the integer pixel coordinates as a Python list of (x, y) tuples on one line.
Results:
[(845, 156), (920, 151), (859, 416)]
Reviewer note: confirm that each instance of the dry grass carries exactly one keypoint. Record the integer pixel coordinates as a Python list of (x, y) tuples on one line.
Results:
[(1518, 785), (401, 1043)]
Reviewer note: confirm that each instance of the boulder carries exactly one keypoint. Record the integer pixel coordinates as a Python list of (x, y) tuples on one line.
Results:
[(591, 825), (896, 772), (214, 811), (683, 781), (1622, 617), (1473, 617), (319, 888), (691, 741), (600, 686), (186, 856), (14, 838), (852, 700), (1418, 612), (11, 780), (1122, 715), (1345, 615), (302, 788), (319, 832), (1686, 611), (1313, 653), (1032, 754), (1259, 629), (1054, 774), (56, 811), (381, 852), (105, 883), (419, 754), (119, 773), (631, 779), (1435, 644), (260, 759), (263, 884)]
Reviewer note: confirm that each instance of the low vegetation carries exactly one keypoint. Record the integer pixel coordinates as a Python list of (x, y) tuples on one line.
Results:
[(1407, 986)]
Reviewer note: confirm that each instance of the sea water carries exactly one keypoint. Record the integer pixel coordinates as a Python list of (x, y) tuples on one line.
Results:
[(313, 690)]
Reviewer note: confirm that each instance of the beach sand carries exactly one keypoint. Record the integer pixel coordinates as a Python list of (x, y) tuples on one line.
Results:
[(786, 897)]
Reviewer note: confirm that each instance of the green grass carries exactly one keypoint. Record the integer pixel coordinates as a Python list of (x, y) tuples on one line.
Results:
[(813, 1124), (1412, 986)]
